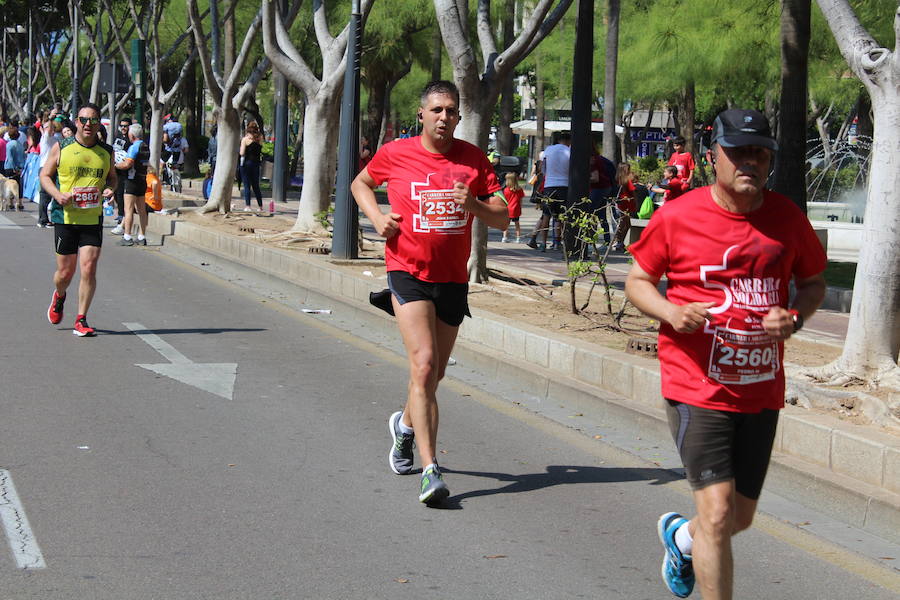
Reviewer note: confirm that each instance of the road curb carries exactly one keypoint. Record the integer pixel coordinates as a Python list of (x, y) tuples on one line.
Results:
[(849, 472)]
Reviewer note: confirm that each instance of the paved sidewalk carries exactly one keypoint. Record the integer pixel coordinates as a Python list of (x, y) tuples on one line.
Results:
[(828, 325)]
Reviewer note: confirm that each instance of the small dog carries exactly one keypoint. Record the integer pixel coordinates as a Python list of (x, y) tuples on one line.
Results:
[(9, 193)]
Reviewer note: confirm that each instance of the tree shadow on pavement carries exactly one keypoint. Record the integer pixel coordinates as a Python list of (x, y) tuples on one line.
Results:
[(210, 330), (559, 475)]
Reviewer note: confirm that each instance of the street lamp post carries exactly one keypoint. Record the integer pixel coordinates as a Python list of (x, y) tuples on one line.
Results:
[(346, 215)]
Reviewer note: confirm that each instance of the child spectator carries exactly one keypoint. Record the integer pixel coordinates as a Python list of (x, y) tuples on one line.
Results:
[(672, 186), (626, 204), (513, 194)]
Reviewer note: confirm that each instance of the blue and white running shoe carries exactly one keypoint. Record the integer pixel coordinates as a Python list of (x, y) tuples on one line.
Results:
[(677, 569)]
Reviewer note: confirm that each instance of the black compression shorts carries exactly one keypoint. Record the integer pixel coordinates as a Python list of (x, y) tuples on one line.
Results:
[(69, 238), (717, 445), (450, 299)]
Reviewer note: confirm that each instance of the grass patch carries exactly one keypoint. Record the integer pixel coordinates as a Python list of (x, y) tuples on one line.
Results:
[(840, 274)]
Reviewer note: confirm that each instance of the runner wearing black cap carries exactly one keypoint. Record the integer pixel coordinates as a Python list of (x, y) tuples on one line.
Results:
[(729, 252)]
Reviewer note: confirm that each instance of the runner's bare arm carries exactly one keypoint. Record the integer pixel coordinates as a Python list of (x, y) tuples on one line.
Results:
[(48, 177), (640, 287), (363, 190), (779, 322), (492, 211)]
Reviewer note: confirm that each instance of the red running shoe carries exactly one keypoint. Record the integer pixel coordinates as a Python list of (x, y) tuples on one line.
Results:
[(82, 329), (55, 312)]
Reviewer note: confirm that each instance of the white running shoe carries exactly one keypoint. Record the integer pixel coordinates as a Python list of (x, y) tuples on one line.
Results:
[(117, 230)]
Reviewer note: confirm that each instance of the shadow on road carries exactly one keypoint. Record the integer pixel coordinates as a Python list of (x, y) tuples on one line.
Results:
[(558, 475), (210, 330)]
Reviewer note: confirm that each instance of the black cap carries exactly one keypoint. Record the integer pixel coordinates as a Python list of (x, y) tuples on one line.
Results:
[(739, 127)]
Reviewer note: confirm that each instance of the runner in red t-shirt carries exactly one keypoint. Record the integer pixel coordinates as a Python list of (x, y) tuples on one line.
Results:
[(683, 161), (437, 185), (729, 252)]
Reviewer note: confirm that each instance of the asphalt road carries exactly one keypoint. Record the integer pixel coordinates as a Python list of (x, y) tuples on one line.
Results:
[(137, 485)]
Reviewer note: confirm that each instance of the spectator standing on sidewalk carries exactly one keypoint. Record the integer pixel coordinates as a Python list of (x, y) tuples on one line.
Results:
[(15, 162), (120, 147), (556, 190), (134, 164), (52, 134), (603, 177), (729, 251), (437, 185), (683, 161), (250, 161)]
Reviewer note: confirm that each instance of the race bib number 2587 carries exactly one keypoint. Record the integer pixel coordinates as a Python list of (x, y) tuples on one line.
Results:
[(86, 197)]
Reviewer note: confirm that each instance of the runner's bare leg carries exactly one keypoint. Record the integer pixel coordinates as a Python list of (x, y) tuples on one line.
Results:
[(428, 342)]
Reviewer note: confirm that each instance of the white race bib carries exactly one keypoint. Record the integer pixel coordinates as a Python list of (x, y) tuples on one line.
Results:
[(741, 357), (437, 210), (85, 197)]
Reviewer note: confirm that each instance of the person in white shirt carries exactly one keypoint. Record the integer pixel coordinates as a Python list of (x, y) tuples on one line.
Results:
[(556, 189)]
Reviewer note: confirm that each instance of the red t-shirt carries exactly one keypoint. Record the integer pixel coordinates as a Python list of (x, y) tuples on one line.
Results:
[(684, 162), (626, 197), (514, 199), (435, 234), (743, 263), (675, 188)]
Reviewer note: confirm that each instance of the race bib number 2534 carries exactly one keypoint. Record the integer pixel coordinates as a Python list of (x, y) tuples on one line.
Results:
[(437, 210)]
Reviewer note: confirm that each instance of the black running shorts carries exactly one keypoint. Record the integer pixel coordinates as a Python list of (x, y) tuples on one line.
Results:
[(717, 446), (450, 300), (69, 238), (136, 187), (553, 200)]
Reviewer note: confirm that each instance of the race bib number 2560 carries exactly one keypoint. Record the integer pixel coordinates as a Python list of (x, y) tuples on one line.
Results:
[(743, 357)]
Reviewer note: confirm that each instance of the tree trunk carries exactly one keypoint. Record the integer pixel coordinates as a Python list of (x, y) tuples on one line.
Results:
[(873, 333), (504, 132), (229, 140), (320, 138), (790, 160), (613, 8), (474, 128), (437, 51), (688, 114)]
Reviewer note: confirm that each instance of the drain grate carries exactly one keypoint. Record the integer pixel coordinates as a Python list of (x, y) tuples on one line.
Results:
[(319, 250), (642, 346)]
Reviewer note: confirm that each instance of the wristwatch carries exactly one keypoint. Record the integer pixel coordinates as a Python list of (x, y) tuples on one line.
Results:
[(798, 319)]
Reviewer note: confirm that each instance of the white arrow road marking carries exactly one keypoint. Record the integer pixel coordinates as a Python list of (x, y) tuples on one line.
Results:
[(21, 540), (215, 378)]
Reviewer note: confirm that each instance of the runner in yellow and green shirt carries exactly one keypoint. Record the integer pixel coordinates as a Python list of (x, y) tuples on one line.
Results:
[(84, 168)]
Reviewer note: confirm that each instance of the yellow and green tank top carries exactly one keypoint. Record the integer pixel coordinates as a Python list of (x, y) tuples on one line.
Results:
[(81, 170)]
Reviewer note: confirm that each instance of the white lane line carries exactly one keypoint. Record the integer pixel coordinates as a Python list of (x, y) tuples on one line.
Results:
[(154, 341), (21, 540)]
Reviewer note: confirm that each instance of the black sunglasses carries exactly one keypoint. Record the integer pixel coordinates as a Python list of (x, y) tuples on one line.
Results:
[(86, 120)]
